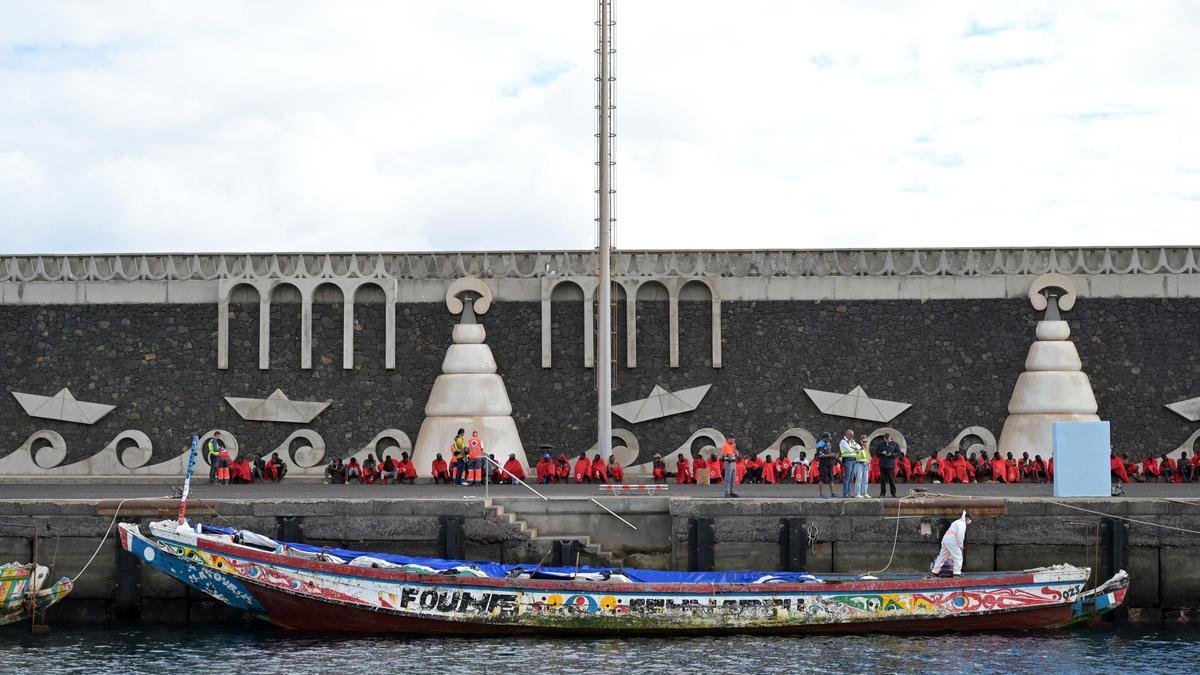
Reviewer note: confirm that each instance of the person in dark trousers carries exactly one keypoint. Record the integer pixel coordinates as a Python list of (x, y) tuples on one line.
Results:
[(888, 452), (212, 449)]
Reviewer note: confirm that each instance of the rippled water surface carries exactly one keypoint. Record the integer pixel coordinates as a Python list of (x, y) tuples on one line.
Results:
[(143, 649)]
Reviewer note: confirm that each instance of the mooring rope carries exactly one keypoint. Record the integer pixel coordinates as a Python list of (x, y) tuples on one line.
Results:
[(102, 539)]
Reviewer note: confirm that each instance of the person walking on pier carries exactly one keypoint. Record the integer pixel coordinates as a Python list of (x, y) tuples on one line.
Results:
[(889, 452), (729, 455), (849, 450)]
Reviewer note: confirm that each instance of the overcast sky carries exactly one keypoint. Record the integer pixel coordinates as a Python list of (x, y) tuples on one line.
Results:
[(230, 126)]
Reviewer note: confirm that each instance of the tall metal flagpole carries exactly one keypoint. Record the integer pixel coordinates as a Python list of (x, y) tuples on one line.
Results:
[(604, 227)]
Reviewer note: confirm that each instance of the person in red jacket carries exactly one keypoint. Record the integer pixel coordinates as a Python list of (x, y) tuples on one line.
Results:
[(583, 469), (739, 469), (513, 469), (754, 469), (545, 469), (1170, 469), (388, 470), (916, 471), (615, 473), (562, 469), (599, 470), (440, 471), (1040, 471), (1134, 469), (1117, 469), (406, 471), (683, 474)]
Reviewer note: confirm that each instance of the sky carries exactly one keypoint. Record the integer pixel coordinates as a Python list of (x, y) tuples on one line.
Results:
[(469, 125)]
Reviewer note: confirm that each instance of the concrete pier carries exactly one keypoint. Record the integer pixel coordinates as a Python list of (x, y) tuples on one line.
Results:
[(676, 532)]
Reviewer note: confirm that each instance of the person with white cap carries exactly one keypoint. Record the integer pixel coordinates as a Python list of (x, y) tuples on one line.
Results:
[(950, 560)]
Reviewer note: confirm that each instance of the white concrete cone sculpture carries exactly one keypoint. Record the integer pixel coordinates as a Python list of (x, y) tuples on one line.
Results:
[(469, 394), (1053, 387)]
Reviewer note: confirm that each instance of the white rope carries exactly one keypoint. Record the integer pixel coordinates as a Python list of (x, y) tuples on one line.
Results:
[(102, 539), (1132, 520), (895, 539)]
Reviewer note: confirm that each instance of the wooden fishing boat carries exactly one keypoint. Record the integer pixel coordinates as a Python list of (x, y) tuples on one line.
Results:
[(303, 587), (23, 591)]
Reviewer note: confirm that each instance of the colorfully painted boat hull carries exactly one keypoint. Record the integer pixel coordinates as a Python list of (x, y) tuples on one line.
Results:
[(15, 584), (311, 595)]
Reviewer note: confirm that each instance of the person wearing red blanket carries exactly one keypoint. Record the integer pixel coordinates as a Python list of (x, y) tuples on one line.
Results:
[(904, 468), (1170, 469), (739, 469), (700, 470), (239, 471), (963, 471), (562, 469), (916, 471), (800, 472), (873, 470), (659, 470), (947, 464), (1134, 469), (1117, 468), (616, 474), (1010, 468), (1040, 472), (276, 469), (754, 470), (583, 469), (406, 471), (783, 467), (768, 470), (513, 469), (545, 469), (999, 469), (439, 469), (387, 470), (1151, 468), (599, 470), (683, 474), (1050, 469)]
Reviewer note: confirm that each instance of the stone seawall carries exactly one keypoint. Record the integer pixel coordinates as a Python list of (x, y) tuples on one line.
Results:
[(955, 361), (830, 536)]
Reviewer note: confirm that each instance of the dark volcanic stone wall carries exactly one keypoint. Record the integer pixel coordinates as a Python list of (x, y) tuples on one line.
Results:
[(955, 361)]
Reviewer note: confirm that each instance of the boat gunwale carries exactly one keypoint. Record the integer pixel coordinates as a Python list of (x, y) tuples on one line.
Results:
[(930, 583)]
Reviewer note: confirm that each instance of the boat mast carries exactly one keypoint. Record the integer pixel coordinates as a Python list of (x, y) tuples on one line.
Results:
[(604, 219)]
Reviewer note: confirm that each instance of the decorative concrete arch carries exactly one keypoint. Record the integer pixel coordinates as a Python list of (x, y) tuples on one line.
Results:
[(231, 444), (402, 441), (671, 286), (895, 433), (989, 440), (712, 284), (308, 456), (808, 438), (588, 286), (134, 457), (627, 453), (225, 291)]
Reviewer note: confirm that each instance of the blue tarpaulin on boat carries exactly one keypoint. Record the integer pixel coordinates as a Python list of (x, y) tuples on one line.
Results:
[(499, 571)]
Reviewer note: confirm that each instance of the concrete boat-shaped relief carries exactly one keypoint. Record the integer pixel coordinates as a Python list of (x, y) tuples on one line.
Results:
[(62, 407)]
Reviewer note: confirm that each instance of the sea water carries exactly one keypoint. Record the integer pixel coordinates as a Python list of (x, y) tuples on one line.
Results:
[(124, 649)]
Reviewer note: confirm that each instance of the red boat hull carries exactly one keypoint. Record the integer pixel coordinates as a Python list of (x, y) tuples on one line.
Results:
[(294, 611)]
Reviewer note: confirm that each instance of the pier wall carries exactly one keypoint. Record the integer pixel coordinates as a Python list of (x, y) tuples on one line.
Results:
[(831, 536)]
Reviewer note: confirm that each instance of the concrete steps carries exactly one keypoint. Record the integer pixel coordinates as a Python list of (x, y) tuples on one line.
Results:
[(590, 547)]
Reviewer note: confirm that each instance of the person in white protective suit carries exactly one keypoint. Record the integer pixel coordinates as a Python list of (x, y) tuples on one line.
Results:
[(950, 560)]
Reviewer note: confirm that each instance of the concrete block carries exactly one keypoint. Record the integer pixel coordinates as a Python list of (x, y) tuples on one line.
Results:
[(447, 507), (743, 556), (1025, 556), (1149, 507), (392, 507), (1144, 566), (1179, 577), (746, 529), (802, 508), (1025, 507)]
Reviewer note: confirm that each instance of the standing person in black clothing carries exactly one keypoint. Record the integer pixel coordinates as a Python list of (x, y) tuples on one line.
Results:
[(887, 453)]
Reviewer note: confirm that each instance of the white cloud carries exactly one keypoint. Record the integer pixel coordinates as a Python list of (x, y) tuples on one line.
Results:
[(322, 126)]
